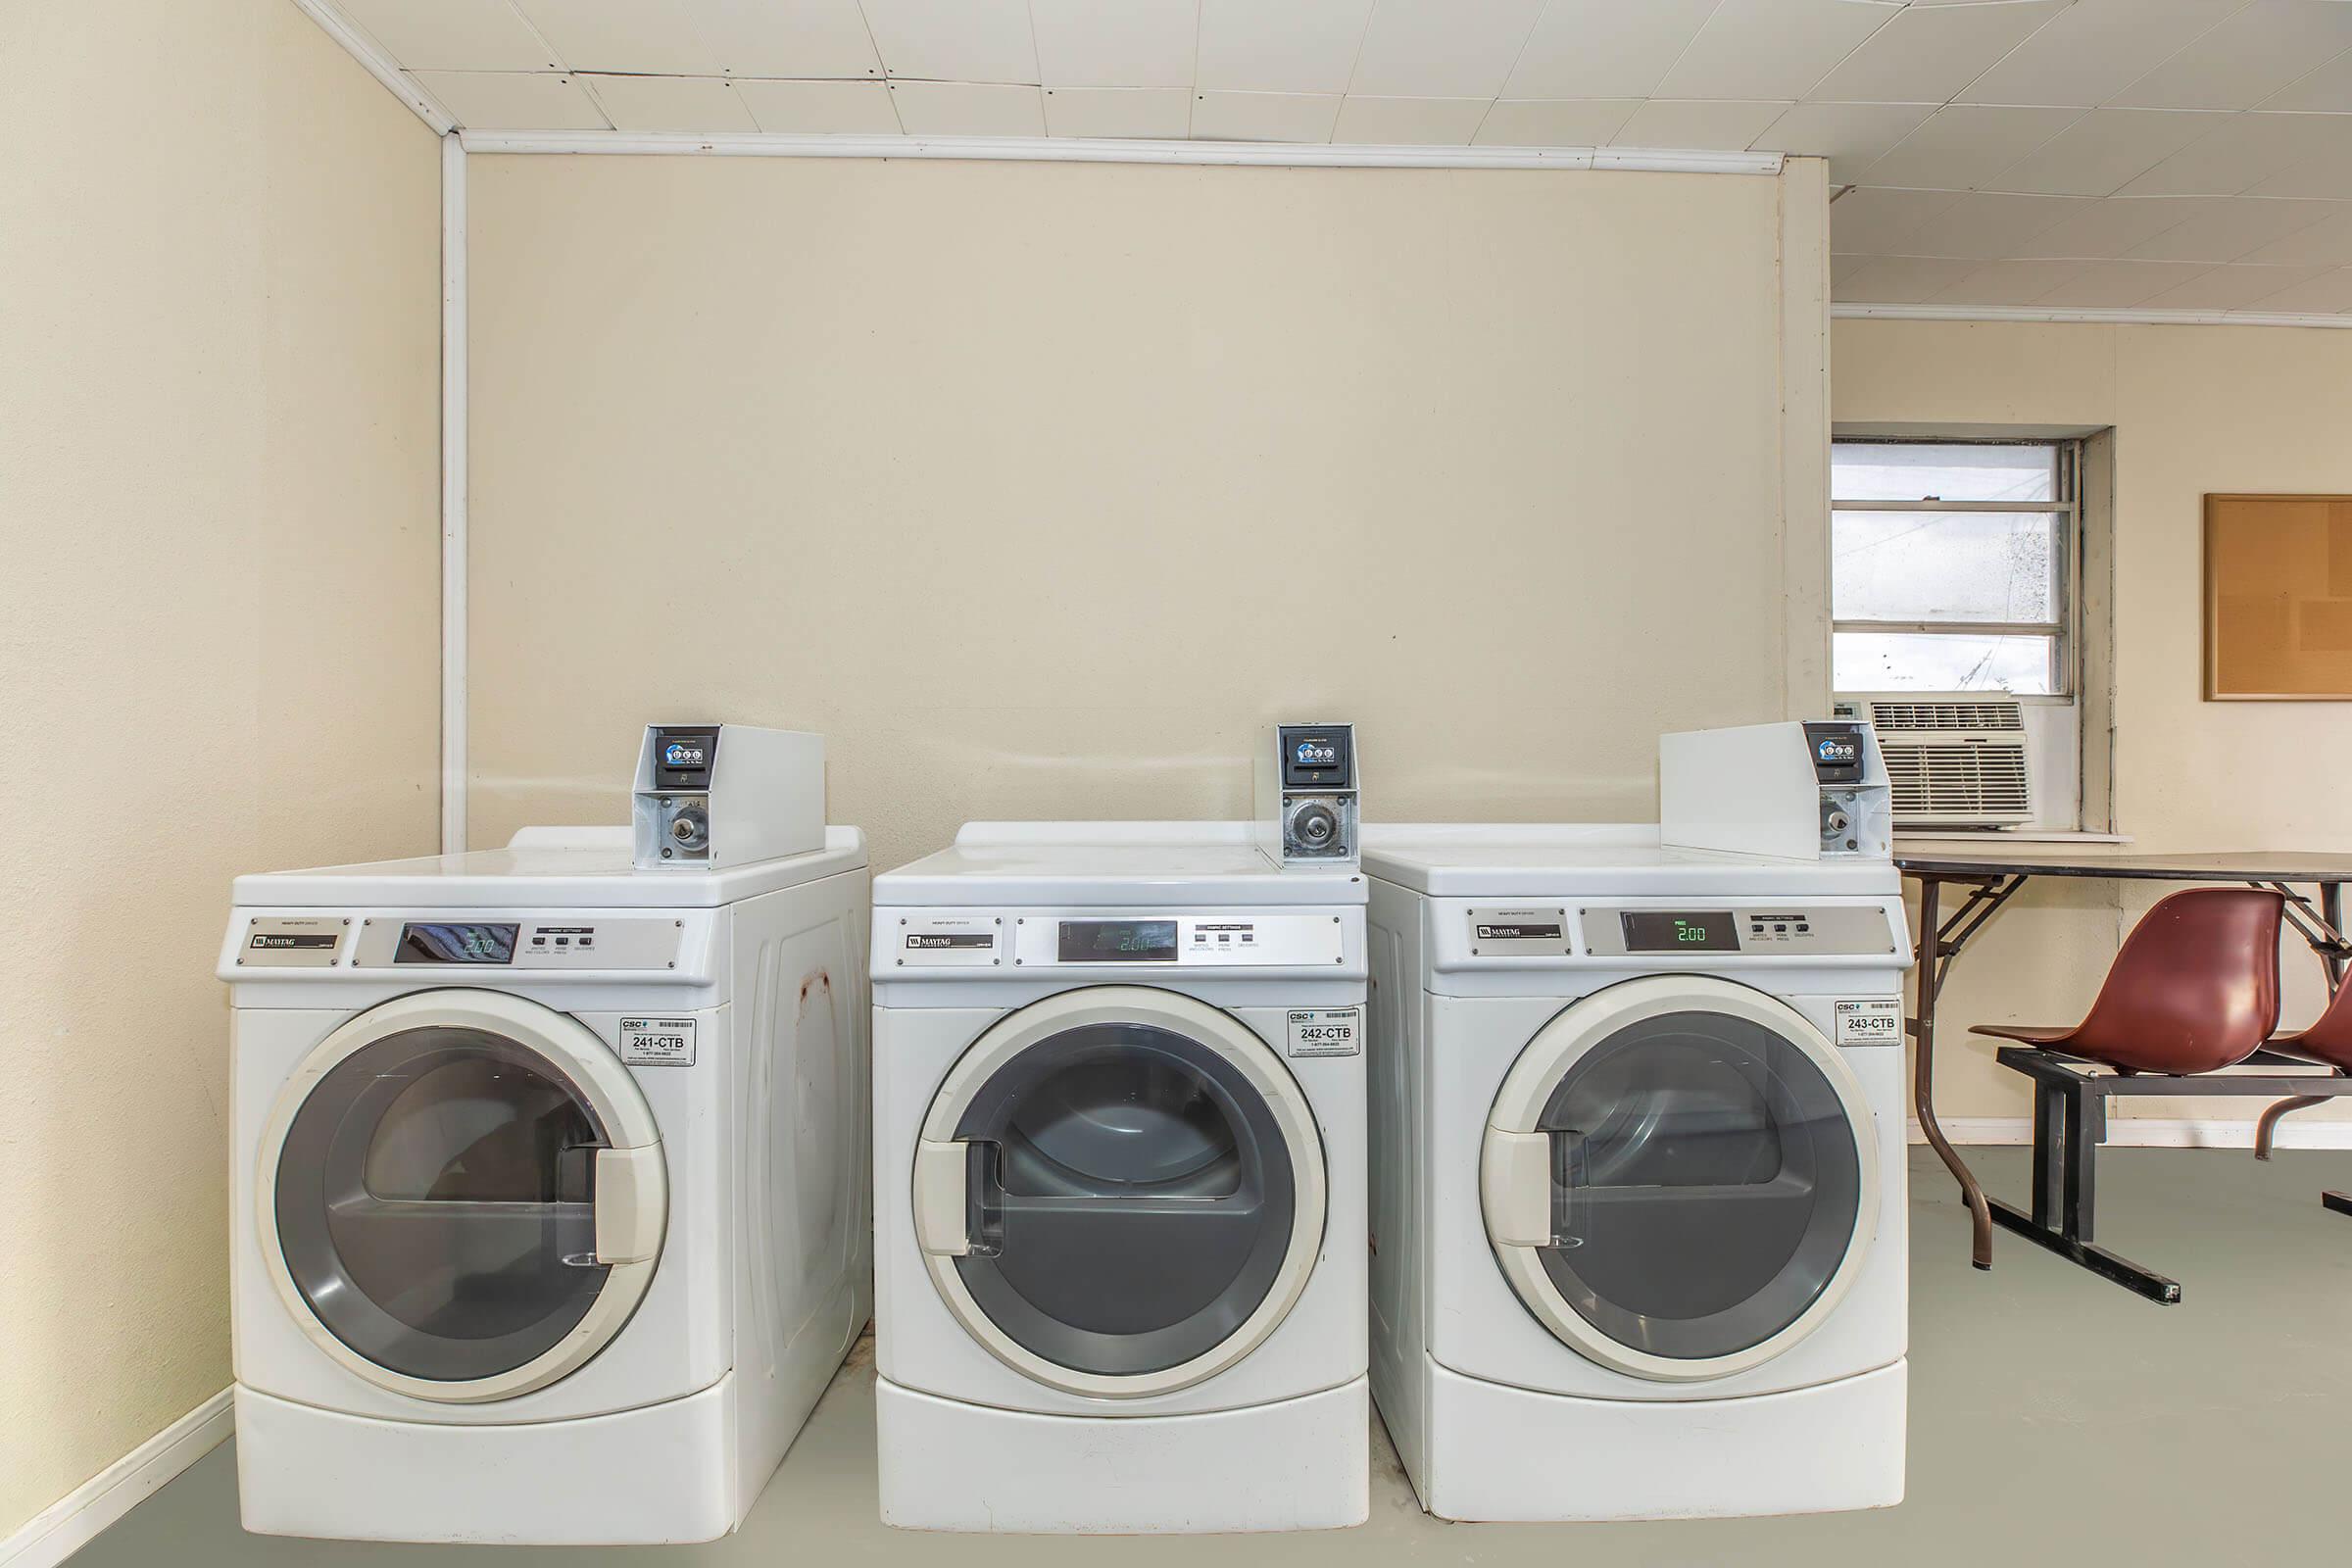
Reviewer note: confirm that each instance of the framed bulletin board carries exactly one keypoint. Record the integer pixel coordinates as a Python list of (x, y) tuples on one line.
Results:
[(2279, 598)]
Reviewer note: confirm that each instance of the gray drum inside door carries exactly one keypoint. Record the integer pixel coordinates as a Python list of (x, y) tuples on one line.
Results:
[(1131, 1198), (1706, 1184), (435, 1207)]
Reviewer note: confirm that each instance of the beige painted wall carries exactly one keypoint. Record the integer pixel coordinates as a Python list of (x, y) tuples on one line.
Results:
[(1039, 487), (2194, 409), (218, 481)]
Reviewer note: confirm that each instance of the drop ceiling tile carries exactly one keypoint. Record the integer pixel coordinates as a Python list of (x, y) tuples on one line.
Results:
[(2226, 229), (1265, 115), (2011, 283), (969, 109), (1441, 48), (955, 41), (2327, 90), (2241, 153), (2230, 288), (1929, 53), (2331, 291), (2094, 50), (1604, 48), (1962, 146), (2103, 230), (1409, 122), (1154, 113), (2117, 285), (1136, 44), (1851, 136), (1716, 124), (1756, 49), (669, 103), (1554, 123), (1988, 226), (2325, 243), (692, 37), (454, 34), (1871, 222), (1280, 45), (1903, 279), (2104, 150), (2248, 57), (2325, 173), (818, 108), (514, 100)]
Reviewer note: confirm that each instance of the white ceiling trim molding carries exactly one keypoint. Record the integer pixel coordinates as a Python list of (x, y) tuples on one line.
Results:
[(1072, 149), (1848, 309), (378, 64)]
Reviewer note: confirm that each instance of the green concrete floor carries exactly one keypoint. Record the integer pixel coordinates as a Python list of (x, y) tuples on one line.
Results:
[(2054, 1418)]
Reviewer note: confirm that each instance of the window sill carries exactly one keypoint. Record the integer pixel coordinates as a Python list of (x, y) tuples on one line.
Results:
[(2014, 835)]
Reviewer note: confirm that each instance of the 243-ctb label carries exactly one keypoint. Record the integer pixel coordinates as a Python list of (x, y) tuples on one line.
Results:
[(1326, 1031), (657, 1042), (1878, 1021)]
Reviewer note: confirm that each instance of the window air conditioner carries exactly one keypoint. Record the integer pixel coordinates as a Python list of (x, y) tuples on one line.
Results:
[(1954, 761)]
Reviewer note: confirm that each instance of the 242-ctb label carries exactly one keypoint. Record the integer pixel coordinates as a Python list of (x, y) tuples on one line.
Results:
[(1326, 1031), (657, 1042), (1876, 1021)]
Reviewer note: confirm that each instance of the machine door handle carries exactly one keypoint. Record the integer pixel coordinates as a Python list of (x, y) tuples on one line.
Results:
[(1514, 1185), (940, 1224), (632, 1203)]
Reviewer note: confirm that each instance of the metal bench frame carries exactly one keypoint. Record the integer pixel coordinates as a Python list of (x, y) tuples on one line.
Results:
[(2070, 1123)]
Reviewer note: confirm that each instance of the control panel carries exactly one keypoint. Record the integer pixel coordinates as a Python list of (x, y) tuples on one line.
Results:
[(719, 795), (551, 942), (1782, 930), (1797, 929), (1250, 939)]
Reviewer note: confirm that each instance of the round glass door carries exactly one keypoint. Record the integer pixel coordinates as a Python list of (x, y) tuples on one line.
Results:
[(1680, 1177), (1120, 1191), (454, 1190)]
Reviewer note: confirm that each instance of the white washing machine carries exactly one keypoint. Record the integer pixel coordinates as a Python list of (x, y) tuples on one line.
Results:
[(1119, 1177), (1638, 1189), (549, 1176)]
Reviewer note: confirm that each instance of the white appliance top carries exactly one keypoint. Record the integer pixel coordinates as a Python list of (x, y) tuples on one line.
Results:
[(1110, 864), (1594, 860), (564, 867)]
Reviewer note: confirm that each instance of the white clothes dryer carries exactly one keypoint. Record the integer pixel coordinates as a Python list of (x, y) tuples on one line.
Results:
[(551, 1221), (1637, 1195), (1119, 1177)]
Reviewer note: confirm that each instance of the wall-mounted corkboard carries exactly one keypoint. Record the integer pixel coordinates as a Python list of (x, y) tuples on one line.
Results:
[(2279, 598)]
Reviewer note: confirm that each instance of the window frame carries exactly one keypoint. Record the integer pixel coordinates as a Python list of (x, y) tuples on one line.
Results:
[(2066, 506)]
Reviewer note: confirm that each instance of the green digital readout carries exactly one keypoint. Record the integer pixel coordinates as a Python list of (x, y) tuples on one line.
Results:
[(1679, 931)]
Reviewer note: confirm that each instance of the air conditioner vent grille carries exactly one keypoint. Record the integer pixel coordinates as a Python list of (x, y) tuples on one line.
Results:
[(1899, 718), (1957, 781)]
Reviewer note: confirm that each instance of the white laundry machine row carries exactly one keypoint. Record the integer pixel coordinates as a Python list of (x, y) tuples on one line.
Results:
[(1119, 1176), (551, 1219), (1638, 1180)]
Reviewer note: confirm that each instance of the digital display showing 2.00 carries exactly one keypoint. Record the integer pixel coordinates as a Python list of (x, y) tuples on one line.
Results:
[(1679, 931), (1118, 941), (444, 942)]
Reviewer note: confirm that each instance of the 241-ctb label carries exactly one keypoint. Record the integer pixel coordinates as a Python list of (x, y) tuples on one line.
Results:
[(1326, 1031), (657, 1042)]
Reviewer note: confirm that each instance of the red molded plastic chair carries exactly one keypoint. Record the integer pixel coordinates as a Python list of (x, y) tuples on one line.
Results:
[(2195, 988)]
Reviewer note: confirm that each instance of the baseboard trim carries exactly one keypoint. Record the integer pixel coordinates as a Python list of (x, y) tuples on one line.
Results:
[(2151, 1132), (71, 1522)]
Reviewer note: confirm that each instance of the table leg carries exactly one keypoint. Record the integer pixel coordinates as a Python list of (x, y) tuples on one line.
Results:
[(1922, 1081), (2332, 911)]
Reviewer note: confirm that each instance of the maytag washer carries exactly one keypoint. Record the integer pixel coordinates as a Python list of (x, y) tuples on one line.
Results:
[(1639, 1213), (551, 1216), (1119, 1177)]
